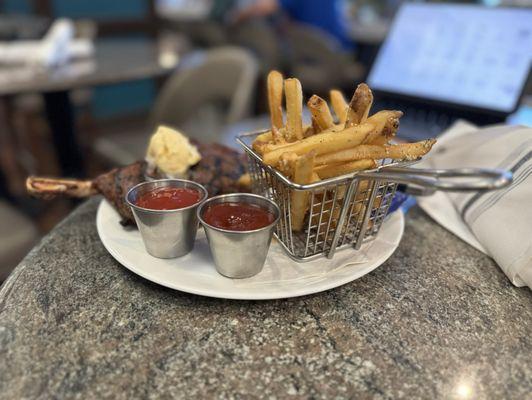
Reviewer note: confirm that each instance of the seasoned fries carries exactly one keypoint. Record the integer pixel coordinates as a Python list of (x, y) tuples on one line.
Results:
[(263, 137), (303, 174), (294, 109), (405, 151), (277, 135), (339, 105), (359, 106), (329, 148), (322, 143), (321, 115), (332, 170), (244, 181), (275, 98), (287, 163), (386, 124)]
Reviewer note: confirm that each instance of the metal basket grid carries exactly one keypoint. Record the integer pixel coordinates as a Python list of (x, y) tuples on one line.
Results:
[(343, 212)]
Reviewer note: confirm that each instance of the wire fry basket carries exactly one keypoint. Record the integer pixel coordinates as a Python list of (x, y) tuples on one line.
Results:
[(349, 210), (343, 211)]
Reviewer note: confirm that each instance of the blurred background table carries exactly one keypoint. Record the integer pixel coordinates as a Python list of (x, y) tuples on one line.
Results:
[(114, 61), (22, 26)]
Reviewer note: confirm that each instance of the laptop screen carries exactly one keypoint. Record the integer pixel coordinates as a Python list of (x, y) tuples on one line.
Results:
[(466, 55)]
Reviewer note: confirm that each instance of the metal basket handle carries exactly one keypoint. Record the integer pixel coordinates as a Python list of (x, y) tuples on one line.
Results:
[(423, 182)]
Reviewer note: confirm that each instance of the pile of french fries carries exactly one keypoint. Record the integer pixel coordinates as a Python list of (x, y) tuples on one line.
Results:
[(330, 146)]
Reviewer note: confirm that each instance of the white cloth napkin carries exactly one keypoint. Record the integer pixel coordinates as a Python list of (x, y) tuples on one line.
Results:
[(56, 48), (280, 267), (498, 223)]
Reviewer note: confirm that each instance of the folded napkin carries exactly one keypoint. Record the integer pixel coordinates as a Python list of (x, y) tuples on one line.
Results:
[(56, 48), (498, 223)]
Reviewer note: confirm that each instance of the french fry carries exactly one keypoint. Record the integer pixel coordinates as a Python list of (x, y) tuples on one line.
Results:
[(386, 124), (332, 208), (352, 154), (265, 143), (321, 115), (265, 148), (278, 137), (381, 117), (322, 143), (269, 141), (308, 131), (275, 98), (388, 132), (287, 163), (333, 205), (264, 137), (261, 147), (244, 181), (332, 170), (357, 205), (329, 147), (329, 216), (303, 173), (409, 151), (315, 126), (359, 106), (261, 141), (339, 105), (405, 151), (294, 109)]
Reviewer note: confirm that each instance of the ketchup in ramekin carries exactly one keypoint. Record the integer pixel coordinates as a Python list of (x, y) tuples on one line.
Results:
[(237, 216), (239, 228), (165, 212), (169, 198)]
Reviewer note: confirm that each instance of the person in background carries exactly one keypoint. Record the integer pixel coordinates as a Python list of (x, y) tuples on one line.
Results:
[(325, 14), (221, 9)]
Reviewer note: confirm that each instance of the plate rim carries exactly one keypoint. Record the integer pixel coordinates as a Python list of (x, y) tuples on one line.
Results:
[(303, 291)]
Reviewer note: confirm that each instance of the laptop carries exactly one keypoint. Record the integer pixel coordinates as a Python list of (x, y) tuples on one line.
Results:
[(442, 62)]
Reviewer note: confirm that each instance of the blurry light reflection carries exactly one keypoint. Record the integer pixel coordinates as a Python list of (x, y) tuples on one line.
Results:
[(168, 59), (464, 390)]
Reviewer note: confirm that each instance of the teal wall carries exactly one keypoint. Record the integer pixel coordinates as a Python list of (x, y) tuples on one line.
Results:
[(100, 9), (17, 6), (123, 98)]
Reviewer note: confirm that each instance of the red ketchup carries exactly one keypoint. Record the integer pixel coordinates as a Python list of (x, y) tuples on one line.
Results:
[(237, 216), (168, 198)]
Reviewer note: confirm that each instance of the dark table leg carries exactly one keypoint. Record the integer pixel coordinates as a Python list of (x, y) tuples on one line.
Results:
[(4, 193), (11, 175), (60, 114)]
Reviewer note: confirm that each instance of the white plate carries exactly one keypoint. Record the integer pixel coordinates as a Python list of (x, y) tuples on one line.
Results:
[(281, 277)]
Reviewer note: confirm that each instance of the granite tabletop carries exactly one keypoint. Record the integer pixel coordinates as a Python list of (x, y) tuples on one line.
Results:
[(437, 320)]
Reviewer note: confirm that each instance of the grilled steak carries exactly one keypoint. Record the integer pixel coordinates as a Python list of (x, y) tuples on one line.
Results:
[(219, 170), (115, 184)]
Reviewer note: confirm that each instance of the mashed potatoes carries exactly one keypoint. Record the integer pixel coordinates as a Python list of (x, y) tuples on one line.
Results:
[(171, 152)]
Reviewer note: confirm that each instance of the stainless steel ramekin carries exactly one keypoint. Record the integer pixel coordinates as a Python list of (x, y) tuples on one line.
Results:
[(166, 233), (239, 254)]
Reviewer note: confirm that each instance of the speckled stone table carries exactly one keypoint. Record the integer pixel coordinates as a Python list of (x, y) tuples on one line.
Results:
[(437, 320)]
